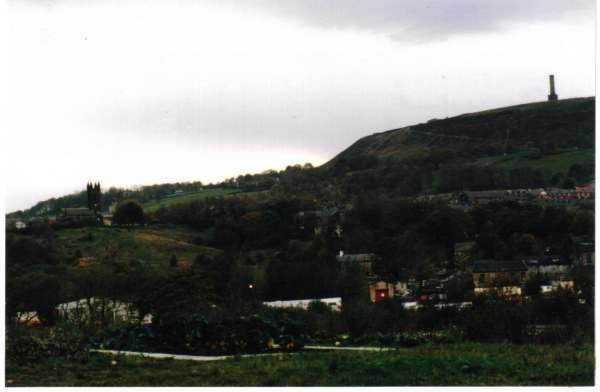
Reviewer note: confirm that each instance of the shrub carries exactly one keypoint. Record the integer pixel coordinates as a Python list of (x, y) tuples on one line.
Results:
[(400, 340), (136, 337), (198, 335), (292, 334), (247, 335), (386, 339), (321, 337), (25, 348), (318, 307), (495, 321), (445, 338)]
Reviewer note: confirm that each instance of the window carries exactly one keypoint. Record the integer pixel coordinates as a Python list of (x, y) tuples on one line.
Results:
[(481, 278), (523, 275)]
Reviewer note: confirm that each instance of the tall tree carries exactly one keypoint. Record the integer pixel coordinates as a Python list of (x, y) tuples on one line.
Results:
[(129, 212), (352, 284)]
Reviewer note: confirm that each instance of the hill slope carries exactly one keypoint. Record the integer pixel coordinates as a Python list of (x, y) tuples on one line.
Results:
[(544, 125), (147, 245), (530, 145)]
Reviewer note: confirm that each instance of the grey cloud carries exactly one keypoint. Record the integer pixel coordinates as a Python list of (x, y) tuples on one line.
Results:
[(401, 20), (420, 20)]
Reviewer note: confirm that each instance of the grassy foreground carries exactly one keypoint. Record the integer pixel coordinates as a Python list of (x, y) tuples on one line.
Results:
[(444, 365)]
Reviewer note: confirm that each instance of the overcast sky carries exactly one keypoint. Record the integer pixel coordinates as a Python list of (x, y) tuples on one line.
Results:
[(139, 93)]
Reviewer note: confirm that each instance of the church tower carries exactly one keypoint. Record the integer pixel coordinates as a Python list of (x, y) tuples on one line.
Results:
[(552, 96), (93, 196)]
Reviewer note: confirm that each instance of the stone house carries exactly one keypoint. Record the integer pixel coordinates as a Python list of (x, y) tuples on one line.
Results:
[(507, 276), (364, 259), (552, 268), (582, 250), (463, 252), (463, 248)]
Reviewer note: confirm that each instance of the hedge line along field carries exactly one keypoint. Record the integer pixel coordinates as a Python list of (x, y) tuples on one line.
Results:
[(467, 364)]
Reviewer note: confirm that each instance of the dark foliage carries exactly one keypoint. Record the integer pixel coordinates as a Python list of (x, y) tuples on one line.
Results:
[(129, 212), (22, 253), (198, 335), (25, 347)]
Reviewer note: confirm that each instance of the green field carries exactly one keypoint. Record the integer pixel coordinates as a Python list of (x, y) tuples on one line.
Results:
[(549, 164), (187, 197), (547, 106), (153, 245), (467, 364), (190, 196)]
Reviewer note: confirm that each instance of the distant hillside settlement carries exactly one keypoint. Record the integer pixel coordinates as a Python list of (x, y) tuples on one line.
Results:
[(546, 197)]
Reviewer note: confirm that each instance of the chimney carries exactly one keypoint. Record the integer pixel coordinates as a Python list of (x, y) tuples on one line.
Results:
[(552, 96)]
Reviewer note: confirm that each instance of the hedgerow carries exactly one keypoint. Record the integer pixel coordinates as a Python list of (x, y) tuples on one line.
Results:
[(199, 335)]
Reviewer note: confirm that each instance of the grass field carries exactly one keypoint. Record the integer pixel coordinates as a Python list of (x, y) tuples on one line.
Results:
[(542, 105), (189, 196), (467, 364), (153, 245), (549, 164)]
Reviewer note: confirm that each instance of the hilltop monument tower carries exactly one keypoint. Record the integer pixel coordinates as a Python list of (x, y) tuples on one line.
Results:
[(552, 96), (93, 196)]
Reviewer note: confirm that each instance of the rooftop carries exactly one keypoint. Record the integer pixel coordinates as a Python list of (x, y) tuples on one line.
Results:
[(463, 246), (499, 266), (543, 260), (358, 257)]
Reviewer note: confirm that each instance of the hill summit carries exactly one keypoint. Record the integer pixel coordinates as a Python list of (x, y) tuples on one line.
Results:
[(547, 126)]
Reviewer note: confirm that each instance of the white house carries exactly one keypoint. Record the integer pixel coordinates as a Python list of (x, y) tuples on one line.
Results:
[(552, 268), (333, 303)]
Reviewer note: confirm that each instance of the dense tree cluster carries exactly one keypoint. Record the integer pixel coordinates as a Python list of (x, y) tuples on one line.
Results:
[(129, 212), (405, 232)]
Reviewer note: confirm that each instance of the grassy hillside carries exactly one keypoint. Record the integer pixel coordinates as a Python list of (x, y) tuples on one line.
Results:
[(187, 197), (190, 196), (566, 123), (153, 245), (465, 364), (548, 164)]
